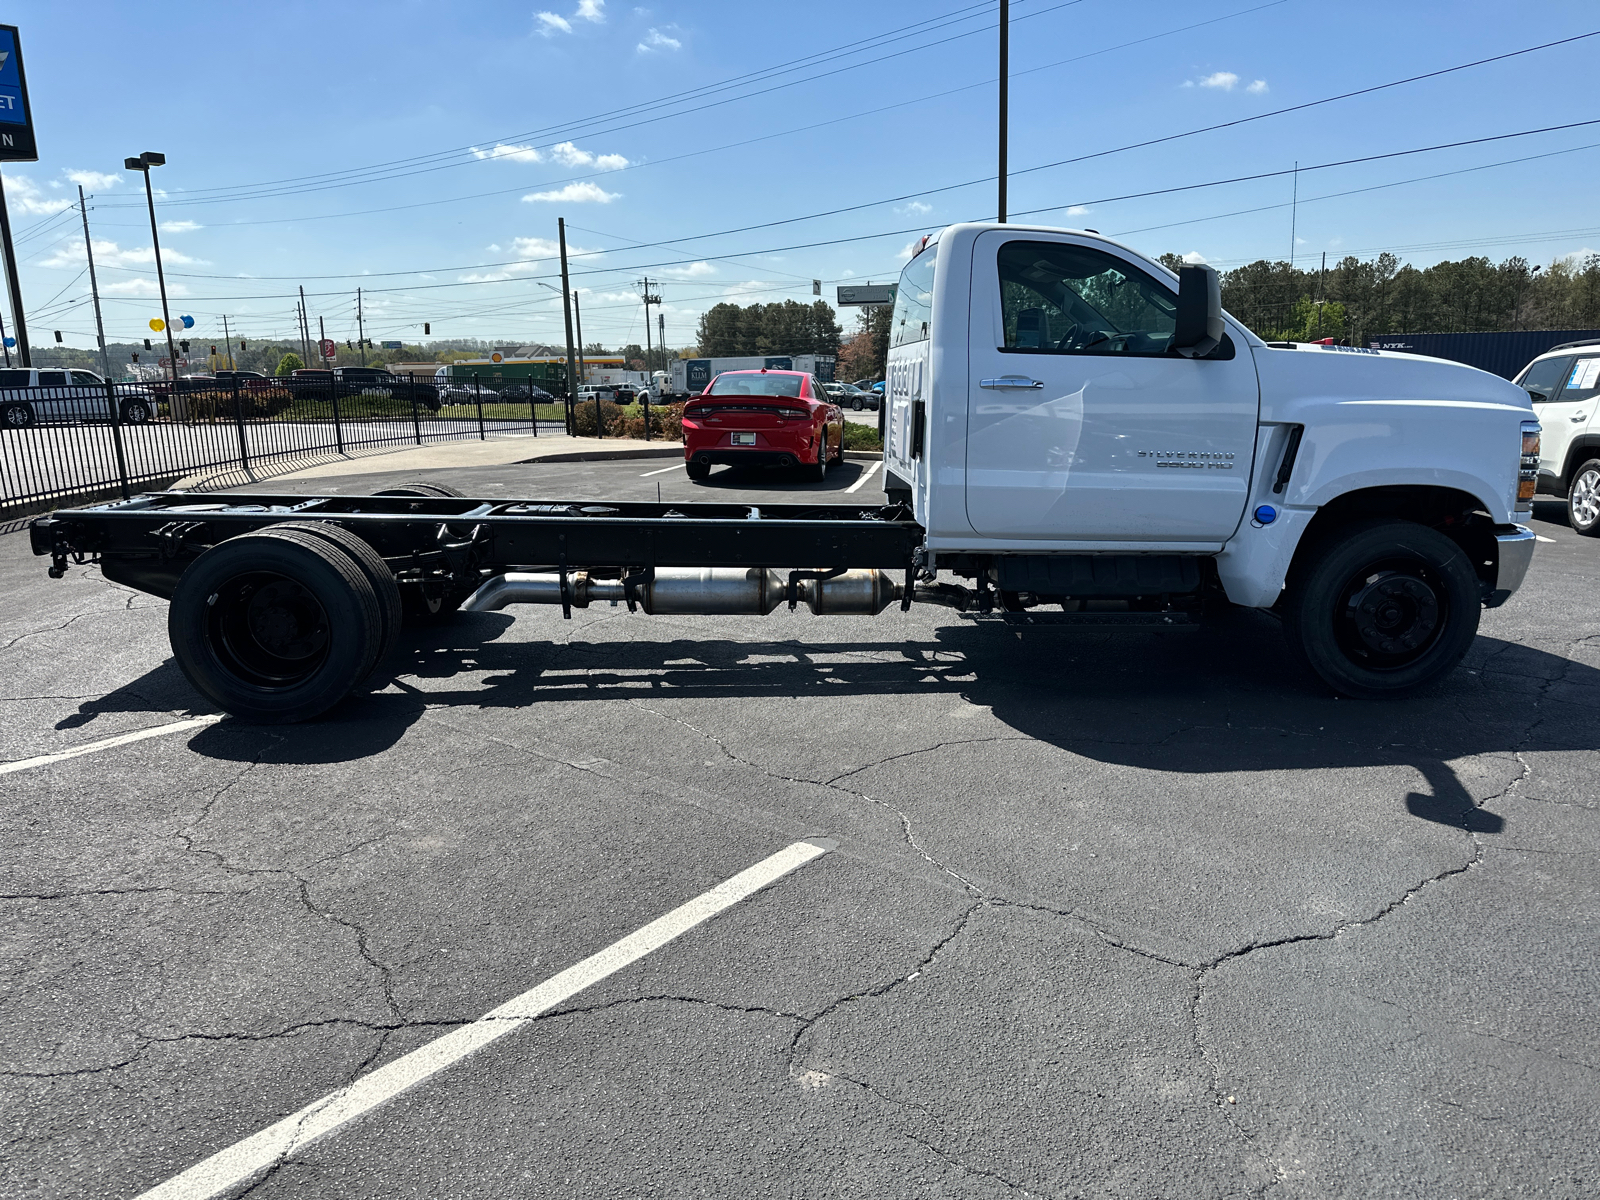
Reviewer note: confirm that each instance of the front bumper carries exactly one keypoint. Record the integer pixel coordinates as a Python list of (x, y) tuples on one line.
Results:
[(1515, 544)]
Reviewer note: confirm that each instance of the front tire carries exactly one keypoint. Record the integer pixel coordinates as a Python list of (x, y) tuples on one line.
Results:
[(1382, 607), (1583, 499), (135, 412), (16, 416)]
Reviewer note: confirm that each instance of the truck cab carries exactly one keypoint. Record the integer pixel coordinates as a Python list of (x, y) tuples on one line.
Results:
[(1073, 423)]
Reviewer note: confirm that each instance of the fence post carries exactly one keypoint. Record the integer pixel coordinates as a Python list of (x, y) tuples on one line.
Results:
[(477, 394), (599, 425), (116, 436), (238, 420), (416, 423), (333, 394), (647, 413), (533, 406)]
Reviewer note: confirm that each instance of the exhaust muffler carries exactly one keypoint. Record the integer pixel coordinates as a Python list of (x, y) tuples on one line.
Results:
[(686, 591)]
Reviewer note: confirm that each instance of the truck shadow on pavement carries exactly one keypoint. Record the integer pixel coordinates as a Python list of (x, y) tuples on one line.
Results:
[(1223, 699)]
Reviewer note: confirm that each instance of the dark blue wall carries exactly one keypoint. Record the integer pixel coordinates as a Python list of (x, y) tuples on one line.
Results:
[(1502, 354)]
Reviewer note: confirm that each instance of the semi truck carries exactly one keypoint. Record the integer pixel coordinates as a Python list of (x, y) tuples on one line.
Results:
[(1075, 435), (689, 376)]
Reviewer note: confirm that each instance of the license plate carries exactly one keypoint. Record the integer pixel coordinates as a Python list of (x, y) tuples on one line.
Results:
[(744, 439)]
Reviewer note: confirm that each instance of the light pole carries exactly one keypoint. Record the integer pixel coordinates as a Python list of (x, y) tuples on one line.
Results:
[(143, 164)]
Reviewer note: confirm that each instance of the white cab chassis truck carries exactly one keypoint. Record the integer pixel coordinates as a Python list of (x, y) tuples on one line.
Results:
[(1074, 435)]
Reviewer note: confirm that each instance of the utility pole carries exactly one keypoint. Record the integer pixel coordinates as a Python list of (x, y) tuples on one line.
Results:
[(227, 341), (322, 336), (577, 316), (1005, 101), (1294, 211), (661, 337), (94, 288), (649, 353), (13, 285), (361, 330), (305, 329), (566, 309), (1321, 295)]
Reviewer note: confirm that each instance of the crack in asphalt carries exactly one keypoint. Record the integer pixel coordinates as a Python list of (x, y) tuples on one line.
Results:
[(124, 891)]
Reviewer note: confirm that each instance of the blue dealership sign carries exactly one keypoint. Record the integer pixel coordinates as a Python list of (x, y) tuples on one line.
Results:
[(16, 117)]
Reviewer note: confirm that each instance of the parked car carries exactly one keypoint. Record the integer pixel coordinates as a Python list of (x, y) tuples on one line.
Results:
[(254, 380), (526, 391), (367, 381), (769, 418), (456, 393), (29, 396), (857, 399), (1564, 385)]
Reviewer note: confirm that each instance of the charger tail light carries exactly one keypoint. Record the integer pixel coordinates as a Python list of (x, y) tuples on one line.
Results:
[(793, 414), (1528, 469)]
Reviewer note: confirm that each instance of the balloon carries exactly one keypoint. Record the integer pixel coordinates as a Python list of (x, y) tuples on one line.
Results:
[(188, 322), (10, 342), (157, 324)]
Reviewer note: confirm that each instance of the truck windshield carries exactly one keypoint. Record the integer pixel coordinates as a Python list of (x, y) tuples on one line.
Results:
[(1073, 299), (754, 383)]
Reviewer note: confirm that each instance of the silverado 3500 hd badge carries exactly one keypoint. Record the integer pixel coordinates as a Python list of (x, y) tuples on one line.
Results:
[(1197, 460)]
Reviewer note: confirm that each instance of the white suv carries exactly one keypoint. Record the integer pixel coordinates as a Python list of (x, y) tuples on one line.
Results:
[(1564, 384), (29, 396)]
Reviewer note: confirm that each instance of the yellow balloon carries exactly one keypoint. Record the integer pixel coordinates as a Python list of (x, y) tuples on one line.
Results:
[(158, 324)]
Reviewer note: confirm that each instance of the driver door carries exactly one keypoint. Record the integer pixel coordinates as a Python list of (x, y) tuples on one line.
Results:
[(1081, 427)]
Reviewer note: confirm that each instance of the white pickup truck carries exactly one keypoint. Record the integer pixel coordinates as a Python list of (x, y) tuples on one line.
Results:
[(1078, 434)]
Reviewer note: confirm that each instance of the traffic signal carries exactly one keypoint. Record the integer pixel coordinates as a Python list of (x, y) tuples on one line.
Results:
[(241, 347), (135, 356), (184, 346), (58, 335), (213, 351), (347, 344), (426, 327), (147, 343)]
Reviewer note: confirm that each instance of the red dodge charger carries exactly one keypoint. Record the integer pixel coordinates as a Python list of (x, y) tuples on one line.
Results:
[(765, 418)]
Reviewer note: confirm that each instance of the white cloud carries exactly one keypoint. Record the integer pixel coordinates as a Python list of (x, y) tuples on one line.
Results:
[(550, 23), (915, 209), (93, 179), (1222, 80), (574, 193), (1195, 257), (180, 226), (588, 10), (143, 287), (591, 10), (1078, 210), (908, 250), (655, 41), (493, 247), (515, 153), (694, 270), (1258, 87), (109, 254), (1576, 258), (568, 155), (27, 196)]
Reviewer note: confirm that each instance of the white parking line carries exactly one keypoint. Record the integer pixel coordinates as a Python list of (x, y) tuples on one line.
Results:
[(239, 1162), (662, 471), (865, 475), (1539, 537), (122, 739)]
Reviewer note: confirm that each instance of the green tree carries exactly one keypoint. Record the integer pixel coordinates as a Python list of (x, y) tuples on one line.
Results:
[(288, 363)]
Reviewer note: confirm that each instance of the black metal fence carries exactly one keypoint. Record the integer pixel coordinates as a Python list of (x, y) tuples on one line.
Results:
[(65, 444)]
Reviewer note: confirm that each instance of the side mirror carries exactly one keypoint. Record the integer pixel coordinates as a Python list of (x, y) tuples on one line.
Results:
[(1199, 326)]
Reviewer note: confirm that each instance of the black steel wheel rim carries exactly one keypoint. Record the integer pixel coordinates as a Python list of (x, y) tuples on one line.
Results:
[(1391, 613), (267, 630)]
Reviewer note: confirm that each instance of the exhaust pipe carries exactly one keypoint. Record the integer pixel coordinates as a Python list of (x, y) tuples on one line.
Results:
[(689, 591)]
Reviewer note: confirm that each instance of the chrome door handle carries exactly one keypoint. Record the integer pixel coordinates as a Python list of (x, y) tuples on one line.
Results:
[(1012, 381)]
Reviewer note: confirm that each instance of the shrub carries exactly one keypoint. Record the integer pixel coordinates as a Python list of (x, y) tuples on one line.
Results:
[(583, 421), (288, 363), (861, 437), (666, 422)]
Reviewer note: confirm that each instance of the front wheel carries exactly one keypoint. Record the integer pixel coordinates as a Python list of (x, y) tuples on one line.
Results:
[(858, 404), (135, 412), (1583, 499), (1382, 607), (16, 416)]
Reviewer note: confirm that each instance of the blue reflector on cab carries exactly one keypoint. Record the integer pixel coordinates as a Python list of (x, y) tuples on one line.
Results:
[(1266, 514)]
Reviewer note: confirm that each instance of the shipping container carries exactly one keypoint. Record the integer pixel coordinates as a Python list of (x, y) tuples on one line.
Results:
[(1502, 354)]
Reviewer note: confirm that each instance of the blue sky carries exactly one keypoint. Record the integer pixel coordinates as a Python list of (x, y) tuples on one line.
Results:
[(424, 151)]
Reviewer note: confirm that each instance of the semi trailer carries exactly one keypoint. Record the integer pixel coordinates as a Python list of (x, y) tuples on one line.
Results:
[(1074, 436)]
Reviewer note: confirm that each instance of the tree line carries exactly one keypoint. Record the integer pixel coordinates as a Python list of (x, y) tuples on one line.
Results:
[(1355, 300), (785, 327)]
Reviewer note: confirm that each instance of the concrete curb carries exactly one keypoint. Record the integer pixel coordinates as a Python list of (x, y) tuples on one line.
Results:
[(674, 450)]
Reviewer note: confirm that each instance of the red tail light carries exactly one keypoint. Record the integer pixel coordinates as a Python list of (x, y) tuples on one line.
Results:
[(793, 414)]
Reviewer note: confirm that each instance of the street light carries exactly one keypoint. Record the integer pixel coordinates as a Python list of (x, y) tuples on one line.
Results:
[(143, 164)]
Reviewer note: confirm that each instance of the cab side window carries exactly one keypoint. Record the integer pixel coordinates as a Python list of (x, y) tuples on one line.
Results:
[(52, 379), (1062, 299), (1544, 378)]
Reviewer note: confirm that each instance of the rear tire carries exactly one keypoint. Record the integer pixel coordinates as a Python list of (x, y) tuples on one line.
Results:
[(1382, 607), (135, 412), (429, 490), (274, 627), (698, 472), (16, 416), (817, 472), (391, 610), (1583, 499)]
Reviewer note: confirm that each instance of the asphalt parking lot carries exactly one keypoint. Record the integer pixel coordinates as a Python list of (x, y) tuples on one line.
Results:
[(1078, 913)]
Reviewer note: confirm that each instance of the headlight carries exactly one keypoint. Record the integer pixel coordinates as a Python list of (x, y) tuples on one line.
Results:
[(1528, 469)]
